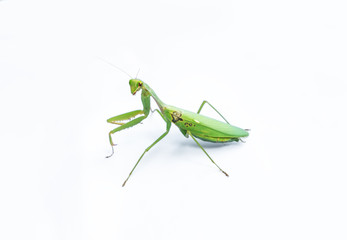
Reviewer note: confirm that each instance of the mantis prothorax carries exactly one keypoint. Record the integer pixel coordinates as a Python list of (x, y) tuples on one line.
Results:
[(189, 123)]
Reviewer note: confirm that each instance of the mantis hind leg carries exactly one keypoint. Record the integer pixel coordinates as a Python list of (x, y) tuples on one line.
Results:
[(203, 103), (206, 153), (168, 125)]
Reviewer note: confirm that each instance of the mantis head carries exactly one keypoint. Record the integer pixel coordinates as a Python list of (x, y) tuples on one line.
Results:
[(135, 85)]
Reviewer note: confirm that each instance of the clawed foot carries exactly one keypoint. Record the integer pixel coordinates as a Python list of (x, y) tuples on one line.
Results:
[(112, 151), (225, 173), (124, 183)]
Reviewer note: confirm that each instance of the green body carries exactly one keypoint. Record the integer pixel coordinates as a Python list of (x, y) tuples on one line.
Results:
[(190, 123), (202, 127)]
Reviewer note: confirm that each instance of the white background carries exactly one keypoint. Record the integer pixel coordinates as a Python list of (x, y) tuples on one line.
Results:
[(276, 67)]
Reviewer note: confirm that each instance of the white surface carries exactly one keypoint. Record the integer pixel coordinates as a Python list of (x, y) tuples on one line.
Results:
[(277, 67)]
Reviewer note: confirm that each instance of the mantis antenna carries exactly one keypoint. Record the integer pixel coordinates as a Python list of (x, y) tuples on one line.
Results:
[(117, 67), (137, 73)]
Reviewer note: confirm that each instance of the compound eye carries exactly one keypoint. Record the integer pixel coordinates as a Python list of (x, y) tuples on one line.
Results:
[(140, 84)]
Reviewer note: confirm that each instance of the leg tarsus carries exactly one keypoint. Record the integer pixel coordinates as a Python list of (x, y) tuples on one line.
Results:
[(124, 182), (225, 173), (112, 151)]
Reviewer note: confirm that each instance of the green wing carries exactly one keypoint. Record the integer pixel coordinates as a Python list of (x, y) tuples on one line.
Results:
[(204, 127)]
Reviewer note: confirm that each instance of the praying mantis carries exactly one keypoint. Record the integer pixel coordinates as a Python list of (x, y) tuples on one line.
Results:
[(189, 123)]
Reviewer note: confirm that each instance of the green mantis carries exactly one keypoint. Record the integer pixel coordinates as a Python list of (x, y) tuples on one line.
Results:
[(189, 123)]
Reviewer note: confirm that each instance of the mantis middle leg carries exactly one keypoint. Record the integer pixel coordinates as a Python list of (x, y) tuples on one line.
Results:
[(206, 153), (203, 103), (168, 125)]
